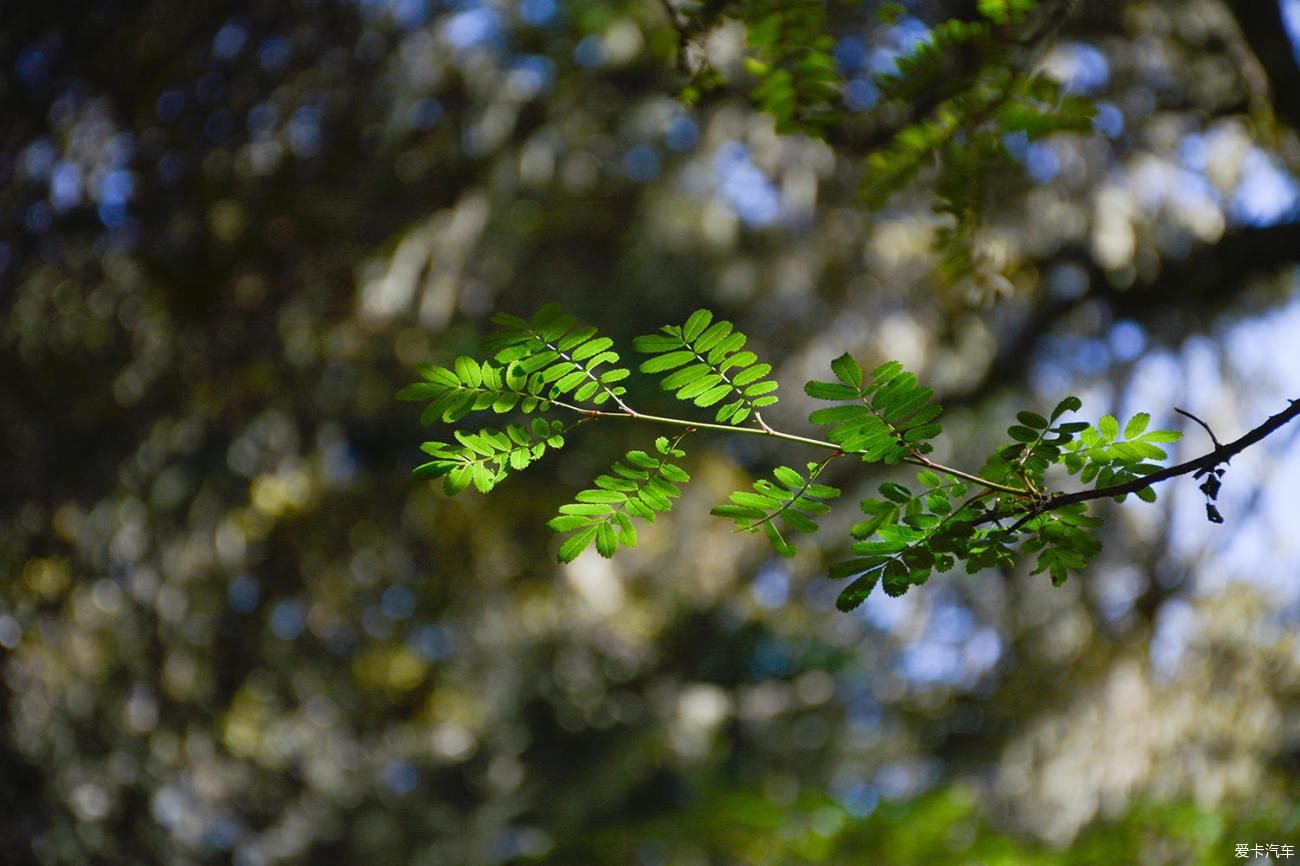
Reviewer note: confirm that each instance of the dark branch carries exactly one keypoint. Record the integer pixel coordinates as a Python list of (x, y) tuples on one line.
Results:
[(1262, 25), (1213, 438), (1204, 463)]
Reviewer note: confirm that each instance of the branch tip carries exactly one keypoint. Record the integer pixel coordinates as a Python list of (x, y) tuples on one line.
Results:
[(1213, 438)]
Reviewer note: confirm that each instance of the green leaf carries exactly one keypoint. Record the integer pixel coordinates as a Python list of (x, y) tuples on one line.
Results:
[(576, 338), (558, 371), (724, 349), (589, 510), (1022, 434), (626, 530), (600, 496), (789, 477), (938, 503), (822, 491), (1032, 419), (420, 391), (829, 391), (754, 500), (713, 395), (642, 459), (695, 325), (856, 592), (1136, 425), (653, 344), (483, 478), (728, 412), (1069, 404), (674, 473), (925, 431), (606, 540), (668, 361), (539, 361), (569, 382), (576, 544), (439, 376), (738, 512), (750, 374), (895, 492), (698, 386), (712, 336), (684, 376), (779, 544), (593, 347), (847, 370), (468, 371), (797, 521), (554, 326), (621, 485), (567, 522), (1108, 427), (458, 479)]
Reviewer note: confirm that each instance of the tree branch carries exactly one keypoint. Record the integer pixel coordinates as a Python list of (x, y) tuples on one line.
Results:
[(1204, 463), (1265, 31)]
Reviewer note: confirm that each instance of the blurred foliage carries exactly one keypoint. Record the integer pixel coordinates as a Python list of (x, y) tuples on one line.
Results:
[(731, 825), (231, 629), (963, 88)]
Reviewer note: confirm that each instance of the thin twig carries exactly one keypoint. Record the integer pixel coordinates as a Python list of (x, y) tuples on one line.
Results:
[(1213, 438), (915, 459)]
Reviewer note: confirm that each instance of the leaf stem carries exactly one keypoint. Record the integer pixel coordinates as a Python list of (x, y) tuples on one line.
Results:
[(921, 460), (915, 459)]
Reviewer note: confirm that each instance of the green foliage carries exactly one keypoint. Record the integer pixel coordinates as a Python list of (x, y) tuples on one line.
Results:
[(736, 824), (964, 136), (487, 456), (887, 417), (708, 367), (557, 355), (960, 91), (1064, 540), (1100, 455), (788, 52), (535, 363), (985, 520), (795, 500), (470, 386), (1037, 444), (642, 487), (932, 60), (1039, 109), (1006, 11)]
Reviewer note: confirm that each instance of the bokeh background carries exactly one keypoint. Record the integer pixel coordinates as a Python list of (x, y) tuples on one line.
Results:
[(233, 630)]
